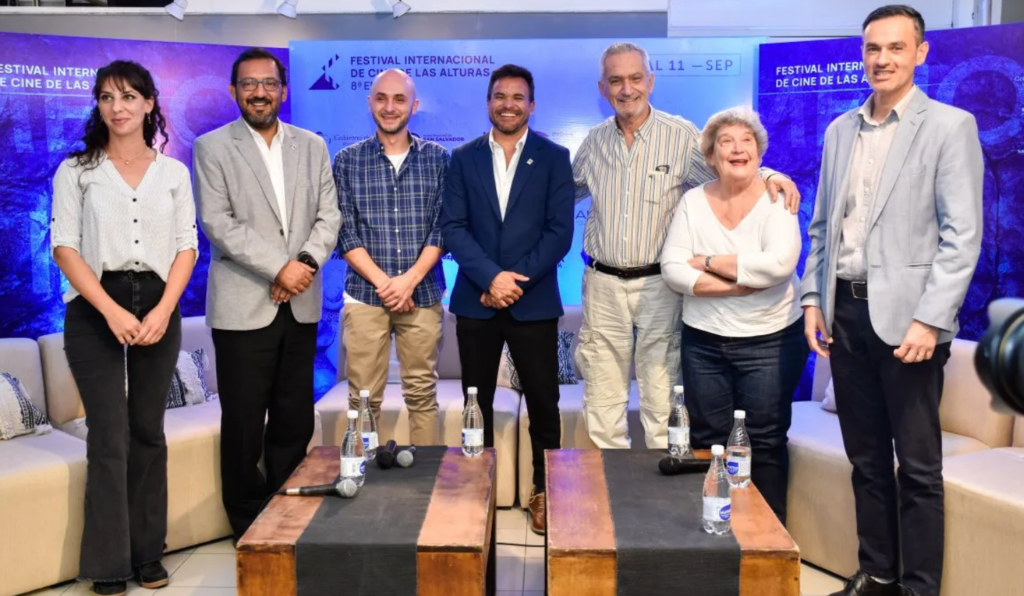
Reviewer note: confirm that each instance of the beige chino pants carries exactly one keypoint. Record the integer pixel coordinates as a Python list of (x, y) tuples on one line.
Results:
[(623, 319), (367, 341)]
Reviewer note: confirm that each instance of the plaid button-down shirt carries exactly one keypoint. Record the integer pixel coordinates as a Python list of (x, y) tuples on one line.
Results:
[(393, 215)]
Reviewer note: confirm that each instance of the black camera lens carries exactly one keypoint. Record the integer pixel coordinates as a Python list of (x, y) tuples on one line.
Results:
[(999, 359)]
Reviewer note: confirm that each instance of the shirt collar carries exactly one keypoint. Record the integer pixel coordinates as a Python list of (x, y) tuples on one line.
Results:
[(258, 137), (645, 128), (899, 109), (519, 144), (415, 143)]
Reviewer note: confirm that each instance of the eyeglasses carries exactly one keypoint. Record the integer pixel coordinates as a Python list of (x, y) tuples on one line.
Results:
[(250, 84)]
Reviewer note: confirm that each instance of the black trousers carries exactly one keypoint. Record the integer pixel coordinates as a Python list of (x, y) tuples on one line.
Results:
[(882, 402), (263, 375), (534, 349), (126, 477)]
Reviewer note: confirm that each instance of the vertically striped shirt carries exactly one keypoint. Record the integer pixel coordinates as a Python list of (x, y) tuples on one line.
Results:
[(635, 190)]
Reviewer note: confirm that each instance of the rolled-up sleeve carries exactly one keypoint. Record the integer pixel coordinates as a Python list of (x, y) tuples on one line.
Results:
[(677, 252), (435, 237), (186, 232), (66, 217)]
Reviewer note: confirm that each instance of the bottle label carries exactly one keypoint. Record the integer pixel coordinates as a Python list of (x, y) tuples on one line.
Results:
[(353, 466), (679, 436), (472, 437), (717, 509), (369, 441), (738, 465)]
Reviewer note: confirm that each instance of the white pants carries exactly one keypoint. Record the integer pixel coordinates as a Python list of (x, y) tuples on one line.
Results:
[(622, 317)]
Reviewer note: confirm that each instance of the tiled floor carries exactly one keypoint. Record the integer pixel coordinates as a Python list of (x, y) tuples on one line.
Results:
[(209, 570)]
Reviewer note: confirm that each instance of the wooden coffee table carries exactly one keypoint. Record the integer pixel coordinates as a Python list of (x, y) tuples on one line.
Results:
[(454, 551), (581, 536)]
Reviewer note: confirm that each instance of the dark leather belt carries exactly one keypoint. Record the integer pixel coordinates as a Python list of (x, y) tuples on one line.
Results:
[(856, 289), (629, 272)]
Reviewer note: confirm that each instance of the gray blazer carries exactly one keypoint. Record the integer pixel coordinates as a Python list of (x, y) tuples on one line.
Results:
[(240, 216), (924, 234)]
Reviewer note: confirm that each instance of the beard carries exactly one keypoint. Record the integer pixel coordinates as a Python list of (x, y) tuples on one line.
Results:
[(636, 109), (508, 129), (259, 122), (390, 130)]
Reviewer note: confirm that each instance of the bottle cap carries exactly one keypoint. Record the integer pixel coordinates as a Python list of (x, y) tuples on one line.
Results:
[(678, 389), (740, 414), (352, 414), (717, 450), (364, 393), (471, 390)]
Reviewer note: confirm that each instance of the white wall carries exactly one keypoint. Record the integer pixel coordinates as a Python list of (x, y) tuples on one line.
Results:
[(200, 7), (799, 18)]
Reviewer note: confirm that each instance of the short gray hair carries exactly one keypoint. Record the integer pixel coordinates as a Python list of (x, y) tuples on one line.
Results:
[(733, 116), (623, 47)]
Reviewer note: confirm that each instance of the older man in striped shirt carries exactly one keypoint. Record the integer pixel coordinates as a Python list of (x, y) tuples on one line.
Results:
[(635, 166)]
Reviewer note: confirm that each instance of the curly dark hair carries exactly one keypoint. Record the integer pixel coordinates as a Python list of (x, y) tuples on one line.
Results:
[(123, 73)]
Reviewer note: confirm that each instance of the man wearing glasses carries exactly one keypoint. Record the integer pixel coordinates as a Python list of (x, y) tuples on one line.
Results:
[(267, 202)]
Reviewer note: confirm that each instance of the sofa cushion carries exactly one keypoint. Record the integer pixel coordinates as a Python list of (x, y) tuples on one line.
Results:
[(63, 402), (394, 425), (820, 507), (18, 415), (42, 491), (20, 357), (984, 522), (1018, 431)]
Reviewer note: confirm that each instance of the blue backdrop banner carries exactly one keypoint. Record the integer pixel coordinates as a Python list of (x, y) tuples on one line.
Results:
[(331, 80), (804, 86)]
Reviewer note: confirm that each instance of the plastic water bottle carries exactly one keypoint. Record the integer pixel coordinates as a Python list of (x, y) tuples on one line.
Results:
[(367, 426), (717, 500), (353, 463), (679, 426), (472, 426), (738, 453)]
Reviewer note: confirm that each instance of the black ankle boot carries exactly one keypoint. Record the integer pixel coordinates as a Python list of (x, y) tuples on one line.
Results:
[(861, 584), (110, 588), (151, 575)]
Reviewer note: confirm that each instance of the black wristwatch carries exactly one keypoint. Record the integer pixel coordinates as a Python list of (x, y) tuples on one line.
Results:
[(307, 259)]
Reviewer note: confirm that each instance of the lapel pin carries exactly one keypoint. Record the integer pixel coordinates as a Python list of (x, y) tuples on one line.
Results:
[(292, 147), (529, 162)]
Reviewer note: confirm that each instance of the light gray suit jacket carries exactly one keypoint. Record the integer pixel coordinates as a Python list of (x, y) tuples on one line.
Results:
[(240, 216), (924, 234)]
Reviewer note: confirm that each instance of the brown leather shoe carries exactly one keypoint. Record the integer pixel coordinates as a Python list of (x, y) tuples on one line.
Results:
[(538, 512)]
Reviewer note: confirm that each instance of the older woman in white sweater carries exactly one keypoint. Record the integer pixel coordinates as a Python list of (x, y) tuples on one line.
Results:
[(732, 253)]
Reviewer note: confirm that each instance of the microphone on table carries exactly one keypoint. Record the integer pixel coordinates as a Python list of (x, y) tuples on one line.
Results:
[(672, 466), (386, 455), (345, 488), (405, 457)]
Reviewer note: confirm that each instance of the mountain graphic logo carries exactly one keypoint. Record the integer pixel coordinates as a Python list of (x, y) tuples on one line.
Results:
[(326, 82)]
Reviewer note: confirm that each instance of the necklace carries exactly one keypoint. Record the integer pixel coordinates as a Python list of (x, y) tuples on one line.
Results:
[(128, 161)]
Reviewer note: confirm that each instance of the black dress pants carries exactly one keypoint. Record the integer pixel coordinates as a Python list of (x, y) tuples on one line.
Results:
[(534, 349), (126, 476), (884, 403), (263, 375)]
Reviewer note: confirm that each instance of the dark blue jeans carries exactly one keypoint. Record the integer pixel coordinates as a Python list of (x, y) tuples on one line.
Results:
[(756, 374)]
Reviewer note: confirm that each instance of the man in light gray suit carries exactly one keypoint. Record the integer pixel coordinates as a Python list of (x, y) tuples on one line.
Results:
[(895, 237), (268, 205)]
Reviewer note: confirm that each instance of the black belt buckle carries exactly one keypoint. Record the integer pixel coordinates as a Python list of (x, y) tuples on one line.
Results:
[(859, 290)]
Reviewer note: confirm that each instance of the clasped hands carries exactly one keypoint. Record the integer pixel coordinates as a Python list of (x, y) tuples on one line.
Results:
[(293, 279), (504, 290)]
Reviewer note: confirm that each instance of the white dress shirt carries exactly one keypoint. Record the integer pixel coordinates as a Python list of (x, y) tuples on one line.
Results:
[(503, 175), (274, 160), (767, 247)]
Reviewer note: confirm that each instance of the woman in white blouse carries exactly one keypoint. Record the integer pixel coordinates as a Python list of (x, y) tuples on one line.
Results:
[(124, 234), (732, 253)]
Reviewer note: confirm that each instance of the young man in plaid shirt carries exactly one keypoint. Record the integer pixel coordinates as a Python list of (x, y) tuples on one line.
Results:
[(389, 191)]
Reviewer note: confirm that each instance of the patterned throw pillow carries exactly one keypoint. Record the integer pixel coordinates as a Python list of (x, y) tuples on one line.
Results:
[(509, 377), (188, 384), (18, 415), (176, 396)]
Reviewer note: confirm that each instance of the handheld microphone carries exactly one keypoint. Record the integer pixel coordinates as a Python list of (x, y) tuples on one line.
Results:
[(347, 488), (405, 457), (319, 490), (386, 455), (672, 466)]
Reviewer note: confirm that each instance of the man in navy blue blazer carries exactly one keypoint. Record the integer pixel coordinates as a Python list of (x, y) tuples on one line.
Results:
[(507, 218)]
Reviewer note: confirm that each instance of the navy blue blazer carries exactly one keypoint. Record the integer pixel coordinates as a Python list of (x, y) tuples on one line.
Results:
[(534, 237)]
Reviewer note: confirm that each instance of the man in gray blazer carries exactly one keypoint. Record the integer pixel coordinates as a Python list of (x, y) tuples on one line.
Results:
[(895, 237), (268, 205)]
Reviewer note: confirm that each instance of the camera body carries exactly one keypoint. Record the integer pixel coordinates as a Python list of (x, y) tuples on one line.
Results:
[(999, 358)]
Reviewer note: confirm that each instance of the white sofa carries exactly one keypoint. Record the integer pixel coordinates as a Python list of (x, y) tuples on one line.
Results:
[(984, 510), (42, 478), (394, 416)]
